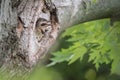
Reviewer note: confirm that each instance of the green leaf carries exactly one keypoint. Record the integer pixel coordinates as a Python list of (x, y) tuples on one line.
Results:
[(78, 53), (60, 56), (93, 55), (97, 39), (97, 66)]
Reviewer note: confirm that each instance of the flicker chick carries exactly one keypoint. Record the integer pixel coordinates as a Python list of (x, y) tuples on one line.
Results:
[(43, 27)]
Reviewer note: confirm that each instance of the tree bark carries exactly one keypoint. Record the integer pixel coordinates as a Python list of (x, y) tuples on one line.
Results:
[(79, 11), (28, 28)]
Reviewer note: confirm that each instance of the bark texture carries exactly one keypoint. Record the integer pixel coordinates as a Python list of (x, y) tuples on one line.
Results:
[(71, 12), (28, 28), (26, 34)]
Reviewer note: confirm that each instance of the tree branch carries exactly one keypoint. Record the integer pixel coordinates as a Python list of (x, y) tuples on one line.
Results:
[(78, 11), (23, 41)]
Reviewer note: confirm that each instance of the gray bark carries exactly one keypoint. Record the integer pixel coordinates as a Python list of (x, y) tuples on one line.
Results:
[(73, 12), (18, 18)]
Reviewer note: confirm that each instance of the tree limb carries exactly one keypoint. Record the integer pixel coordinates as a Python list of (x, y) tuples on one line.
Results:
[(22, 43)]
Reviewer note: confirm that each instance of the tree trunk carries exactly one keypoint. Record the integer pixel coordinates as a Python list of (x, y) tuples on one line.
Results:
[(28, 28)]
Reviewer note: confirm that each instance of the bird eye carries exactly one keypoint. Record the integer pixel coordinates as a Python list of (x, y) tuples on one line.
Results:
[(46, 30), (43, 24)]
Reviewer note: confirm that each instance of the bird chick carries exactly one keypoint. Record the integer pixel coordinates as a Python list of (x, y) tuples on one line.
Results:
[(43, 28)]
